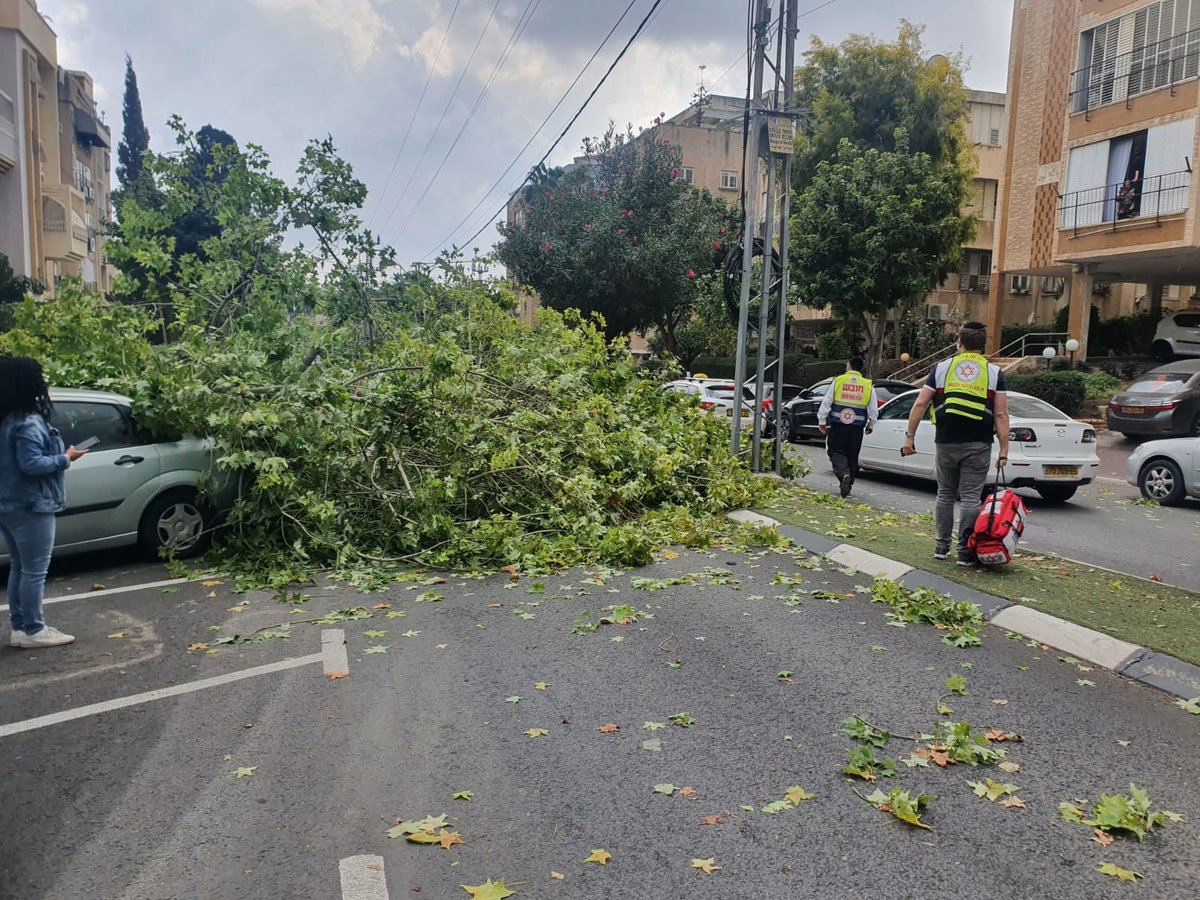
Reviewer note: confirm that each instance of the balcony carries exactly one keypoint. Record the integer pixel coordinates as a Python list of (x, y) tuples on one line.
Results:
[(63, 211), (974, 284), (1141, 71), (1147, 200), (8, 133)]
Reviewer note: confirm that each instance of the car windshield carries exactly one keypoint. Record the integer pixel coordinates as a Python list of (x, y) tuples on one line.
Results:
[(1163, 382), (1033, 408)]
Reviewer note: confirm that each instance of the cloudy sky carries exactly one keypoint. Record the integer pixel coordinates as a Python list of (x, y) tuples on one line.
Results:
[(278, 72)]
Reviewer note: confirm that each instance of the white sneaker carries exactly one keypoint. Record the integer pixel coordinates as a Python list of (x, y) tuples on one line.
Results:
[(14, 638), (47, 637)]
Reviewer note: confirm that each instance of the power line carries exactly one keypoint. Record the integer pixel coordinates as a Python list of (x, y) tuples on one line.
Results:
[(504, 57), (442, 118), (775, 22), (535, 133), (641, 27), (416, 110)]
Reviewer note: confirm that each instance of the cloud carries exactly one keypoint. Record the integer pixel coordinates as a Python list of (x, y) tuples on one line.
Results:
[(358, 22)]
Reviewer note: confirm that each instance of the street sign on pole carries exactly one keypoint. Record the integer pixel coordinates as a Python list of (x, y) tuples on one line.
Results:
[(782, 133)]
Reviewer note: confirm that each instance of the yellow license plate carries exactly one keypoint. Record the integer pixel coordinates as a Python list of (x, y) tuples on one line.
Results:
[(1133, 410), (745, 413), (1062, 471)]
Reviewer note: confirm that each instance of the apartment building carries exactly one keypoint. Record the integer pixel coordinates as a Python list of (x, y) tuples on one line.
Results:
[(1097, 187), (54, 157)]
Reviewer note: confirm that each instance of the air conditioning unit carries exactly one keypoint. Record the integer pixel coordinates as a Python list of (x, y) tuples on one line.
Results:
[(937, 312), (1019, 284)]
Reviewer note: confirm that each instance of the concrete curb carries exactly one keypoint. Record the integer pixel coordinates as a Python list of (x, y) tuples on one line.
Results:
[(1158, 670)]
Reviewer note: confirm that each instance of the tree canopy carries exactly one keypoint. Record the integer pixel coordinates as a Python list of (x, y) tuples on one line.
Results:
[(620, 235), (135, 137), (873, 229)]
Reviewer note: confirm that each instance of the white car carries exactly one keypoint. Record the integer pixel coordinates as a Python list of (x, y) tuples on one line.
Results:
[(1166, 471), (715, 396), (1177, 335), (1048, 450), (130, 488)]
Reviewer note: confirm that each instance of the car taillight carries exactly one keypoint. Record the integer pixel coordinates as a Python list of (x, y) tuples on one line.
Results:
[(1089, 436), (1114, 406), (1022, 435), (767, 404), (707, 405)]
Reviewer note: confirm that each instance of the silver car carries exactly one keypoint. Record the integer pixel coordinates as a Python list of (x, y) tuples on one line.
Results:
[(129, 488), (1166, 471)]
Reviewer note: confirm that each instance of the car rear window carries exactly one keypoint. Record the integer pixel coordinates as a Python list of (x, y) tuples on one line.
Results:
[(1163, 382), (1187, 320), (1033, 408)]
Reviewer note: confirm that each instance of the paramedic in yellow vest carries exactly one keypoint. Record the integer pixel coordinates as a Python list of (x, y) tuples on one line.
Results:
[(971, 406), (850, 410)]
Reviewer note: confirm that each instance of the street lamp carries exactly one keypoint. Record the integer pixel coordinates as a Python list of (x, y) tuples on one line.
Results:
[(1049, 354), (1072, 345), (904, 357)]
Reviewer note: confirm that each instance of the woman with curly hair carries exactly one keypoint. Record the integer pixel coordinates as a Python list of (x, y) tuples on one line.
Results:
[(32, 462)]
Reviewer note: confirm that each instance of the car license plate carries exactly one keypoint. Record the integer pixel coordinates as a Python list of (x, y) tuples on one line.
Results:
[(1062, 471), (1133, 410)]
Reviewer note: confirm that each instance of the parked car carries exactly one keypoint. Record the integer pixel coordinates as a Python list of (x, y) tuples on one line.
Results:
[(768, 403), (800, 413), (129, 488), (1048, 450), (1166, 471), (1177, 334), (1164, 402), (715, 396)]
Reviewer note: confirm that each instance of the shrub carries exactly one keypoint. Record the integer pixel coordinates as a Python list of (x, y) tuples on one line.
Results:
[(834, 345), (1066, 390)]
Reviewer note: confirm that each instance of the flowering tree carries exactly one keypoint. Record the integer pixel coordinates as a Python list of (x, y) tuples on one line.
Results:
[(620, 235)]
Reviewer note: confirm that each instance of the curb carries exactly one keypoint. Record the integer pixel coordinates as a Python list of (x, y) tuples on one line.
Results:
[(1149, 667)]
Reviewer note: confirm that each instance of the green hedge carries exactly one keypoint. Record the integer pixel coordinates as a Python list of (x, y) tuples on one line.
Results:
[(1066, 390), (798, 368)]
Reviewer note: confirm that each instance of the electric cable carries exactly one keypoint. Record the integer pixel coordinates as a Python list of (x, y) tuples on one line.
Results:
[(412, 121), (444, 241)]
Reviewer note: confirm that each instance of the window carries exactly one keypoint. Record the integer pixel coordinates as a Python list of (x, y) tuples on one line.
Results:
[(899, 409), (1033, 408), (687, 175), (729, 181), (994, 137), (78, 421)]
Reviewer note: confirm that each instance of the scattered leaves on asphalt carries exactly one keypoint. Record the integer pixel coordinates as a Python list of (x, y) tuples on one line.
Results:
[(901, 804), (513, 699), (537, 732), (653, 745), (718, 819), (197, 646), (707, 866), (796, 795), (462, 795), (1192, 706), (609, 728), (541, 685), (654, 726), (957, 684), (489, 890), (243, 771), (1120, 813), (992, 790), (557, 876), (374, 633), (1101, 838), (1085, 682), (334, 676), (1012, 803), (599, 856), (376, 648), (1107, 868), (1008, 767), (117, 634), (667, 789)]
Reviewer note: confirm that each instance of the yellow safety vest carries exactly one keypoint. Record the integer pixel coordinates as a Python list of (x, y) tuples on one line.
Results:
[(965, 392), (851, 397)]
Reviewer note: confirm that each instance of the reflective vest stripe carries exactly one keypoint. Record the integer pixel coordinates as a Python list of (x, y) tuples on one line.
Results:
[(966, 388), (851, 396)]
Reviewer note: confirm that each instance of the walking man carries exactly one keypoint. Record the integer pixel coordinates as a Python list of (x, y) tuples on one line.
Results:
[(970, 409), (850, 410)]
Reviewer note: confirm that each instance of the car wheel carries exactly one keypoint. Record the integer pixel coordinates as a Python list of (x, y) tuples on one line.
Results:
[(1162, 480), (176, 521), (1161, 352), (1056, 493), (789, 434)]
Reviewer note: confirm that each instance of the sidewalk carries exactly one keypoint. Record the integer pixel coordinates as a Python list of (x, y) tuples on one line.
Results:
[(1130, 660)]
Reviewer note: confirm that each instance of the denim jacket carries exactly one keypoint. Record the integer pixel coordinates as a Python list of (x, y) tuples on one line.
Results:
[(32, 463)]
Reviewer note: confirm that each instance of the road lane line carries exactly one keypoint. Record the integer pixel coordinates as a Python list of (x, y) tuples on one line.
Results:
[(363, 878), (93, 709), (333, 651), (129, 588)]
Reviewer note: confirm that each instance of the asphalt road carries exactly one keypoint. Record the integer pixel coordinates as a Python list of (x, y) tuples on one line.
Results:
[(1102, 525), (141, 802)]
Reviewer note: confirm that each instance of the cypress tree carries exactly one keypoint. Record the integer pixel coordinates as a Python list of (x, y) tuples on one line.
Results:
[(135, 138)]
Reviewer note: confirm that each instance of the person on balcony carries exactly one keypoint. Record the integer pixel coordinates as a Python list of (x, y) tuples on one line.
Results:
[(1127, 197)]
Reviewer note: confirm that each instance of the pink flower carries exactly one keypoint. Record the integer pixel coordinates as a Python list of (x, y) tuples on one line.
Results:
[(722, 229), (674, 173), (666, 143), (691, 273), (716, 245), (620, 231), (546, 248)]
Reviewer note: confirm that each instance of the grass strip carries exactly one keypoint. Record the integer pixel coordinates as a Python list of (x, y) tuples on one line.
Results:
[(1153, 615)]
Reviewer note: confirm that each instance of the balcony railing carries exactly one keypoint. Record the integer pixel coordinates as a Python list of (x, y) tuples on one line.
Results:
[(968, 283), (1142, 70), (1126, 201)]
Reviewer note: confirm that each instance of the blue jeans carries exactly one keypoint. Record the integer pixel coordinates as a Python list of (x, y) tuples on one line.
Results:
[(30, 539)]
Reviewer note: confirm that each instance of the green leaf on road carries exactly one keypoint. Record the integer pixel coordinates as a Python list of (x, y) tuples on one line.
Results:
[(654, 745), (992, 790), (376, 648), (375, 633), (902, 805), (243, 771), (1085, 682), (667, 789), (1192, 706), (513, 699), (654, 726), (957, 684), (1107, 868), (462, 795)]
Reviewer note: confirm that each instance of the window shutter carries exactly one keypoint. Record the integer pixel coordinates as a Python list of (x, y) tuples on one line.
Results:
[(1165, 181), (1087, 173)]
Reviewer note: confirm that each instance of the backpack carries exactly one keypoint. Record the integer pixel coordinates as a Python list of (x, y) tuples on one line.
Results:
[(1000, 524)]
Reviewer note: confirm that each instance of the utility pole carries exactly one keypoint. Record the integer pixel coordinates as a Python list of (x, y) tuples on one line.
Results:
[(771, 138)]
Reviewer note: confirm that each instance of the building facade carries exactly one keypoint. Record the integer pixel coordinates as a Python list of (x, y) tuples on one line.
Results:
[(55, 157), (1097, 187)]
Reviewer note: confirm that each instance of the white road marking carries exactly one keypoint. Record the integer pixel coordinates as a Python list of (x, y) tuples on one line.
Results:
[(129, 588), (333, 651), (363, 878), (93, 709)]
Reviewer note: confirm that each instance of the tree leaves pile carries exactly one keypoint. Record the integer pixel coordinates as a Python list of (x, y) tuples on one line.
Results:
[(961, 620), (1117, 812), (471, 441)]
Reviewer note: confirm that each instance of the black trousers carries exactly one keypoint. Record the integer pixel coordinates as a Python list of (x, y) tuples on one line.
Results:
[(844, 443)]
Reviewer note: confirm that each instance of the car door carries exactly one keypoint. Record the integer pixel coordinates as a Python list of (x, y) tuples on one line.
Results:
[(881, 448), (104, 488), (804, 410)]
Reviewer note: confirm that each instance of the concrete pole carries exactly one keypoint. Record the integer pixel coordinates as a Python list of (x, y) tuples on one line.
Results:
[(785, 226), (1079, 319), (764, 308), (1154, 292)]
